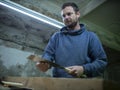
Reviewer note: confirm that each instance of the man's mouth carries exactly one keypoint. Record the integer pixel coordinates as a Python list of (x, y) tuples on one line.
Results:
[(68, 22)]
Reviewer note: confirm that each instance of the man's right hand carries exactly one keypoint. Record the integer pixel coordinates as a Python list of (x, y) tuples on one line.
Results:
[(43, 66)]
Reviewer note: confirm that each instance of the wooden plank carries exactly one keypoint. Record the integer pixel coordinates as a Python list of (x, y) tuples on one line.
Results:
[(45, 83)]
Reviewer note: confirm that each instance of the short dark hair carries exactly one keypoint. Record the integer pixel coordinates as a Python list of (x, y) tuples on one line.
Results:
[(75, 7)]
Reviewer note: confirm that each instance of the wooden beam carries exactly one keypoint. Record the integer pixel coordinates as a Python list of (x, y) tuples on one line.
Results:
[(108, 38), (91, 5)]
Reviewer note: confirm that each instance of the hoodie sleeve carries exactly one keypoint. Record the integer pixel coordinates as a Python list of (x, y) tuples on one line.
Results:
[(98, 57), (50, 49)]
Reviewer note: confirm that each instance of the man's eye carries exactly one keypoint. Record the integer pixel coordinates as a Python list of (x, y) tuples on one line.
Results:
[(63, 15), (69, 14)]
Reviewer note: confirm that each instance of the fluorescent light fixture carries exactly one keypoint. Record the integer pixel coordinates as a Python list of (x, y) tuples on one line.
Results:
[(31, 13)]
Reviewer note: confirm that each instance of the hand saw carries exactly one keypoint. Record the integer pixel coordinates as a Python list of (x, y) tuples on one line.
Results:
[(37, 59)]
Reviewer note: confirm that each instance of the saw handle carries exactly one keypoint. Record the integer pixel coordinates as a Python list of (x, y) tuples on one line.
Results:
[(81, 76)]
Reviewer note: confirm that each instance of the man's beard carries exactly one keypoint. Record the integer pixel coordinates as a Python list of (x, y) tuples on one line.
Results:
[(72, 25)]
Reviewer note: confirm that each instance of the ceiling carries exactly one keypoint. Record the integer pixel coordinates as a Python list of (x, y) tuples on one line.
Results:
[(52, 8), (100, 16)]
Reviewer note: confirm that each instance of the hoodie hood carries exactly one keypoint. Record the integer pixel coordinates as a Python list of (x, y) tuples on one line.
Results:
[(64, 30)]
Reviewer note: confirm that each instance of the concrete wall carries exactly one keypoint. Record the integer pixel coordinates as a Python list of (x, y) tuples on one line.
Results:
[(14, 62), (20, 36)]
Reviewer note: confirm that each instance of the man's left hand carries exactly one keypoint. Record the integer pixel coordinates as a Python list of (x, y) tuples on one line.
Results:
[(76, 70)]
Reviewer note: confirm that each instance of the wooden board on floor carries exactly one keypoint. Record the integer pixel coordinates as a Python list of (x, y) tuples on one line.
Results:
[(46, 83)]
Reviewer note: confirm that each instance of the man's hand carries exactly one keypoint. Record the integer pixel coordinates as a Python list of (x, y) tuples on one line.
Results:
[(76, 70), (43, 66)]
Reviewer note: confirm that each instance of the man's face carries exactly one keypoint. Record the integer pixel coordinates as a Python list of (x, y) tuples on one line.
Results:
[(70, 17)]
